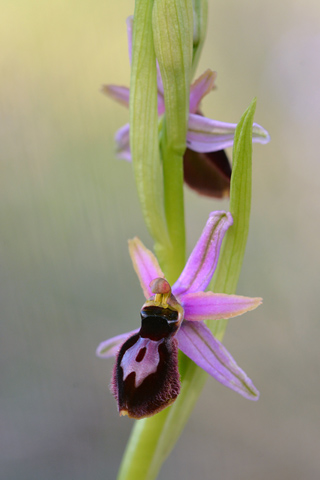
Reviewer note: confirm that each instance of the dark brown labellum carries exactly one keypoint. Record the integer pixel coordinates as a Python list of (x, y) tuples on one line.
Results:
[(207, 173), (146, 376)]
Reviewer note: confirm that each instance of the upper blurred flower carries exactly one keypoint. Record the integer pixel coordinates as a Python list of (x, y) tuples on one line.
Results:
[(206, 166), (145, 376)]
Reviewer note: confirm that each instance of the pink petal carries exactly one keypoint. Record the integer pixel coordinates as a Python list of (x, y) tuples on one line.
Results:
[(197, 342), (203, 260), (216, 306), (201, 87), (118, 93), (145, 265), (161, 105), (109, 348), (206, 135), (122, 139), (129, 35), (159, 82)]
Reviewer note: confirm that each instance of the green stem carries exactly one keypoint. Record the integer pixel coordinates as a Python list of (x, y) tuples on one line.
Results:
[(152, 439), (174, 209)]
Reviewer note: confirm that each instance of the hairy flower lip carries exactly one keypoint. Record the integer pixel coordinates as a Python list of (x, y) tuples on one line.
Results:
[(194, 338)]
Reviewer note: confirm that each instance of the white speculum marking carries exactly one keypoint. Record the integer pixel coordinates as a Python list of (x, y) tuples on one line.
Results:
[(148, 364)]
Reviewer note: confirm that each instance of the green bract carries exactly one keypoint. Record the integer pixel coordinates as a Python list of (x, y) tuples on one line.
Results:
[(200, 14), (172, 22), (144, 126)]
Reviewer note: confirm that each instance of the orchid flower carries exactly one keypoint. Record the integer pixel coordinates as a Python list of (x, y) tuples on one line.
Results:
[(145, 376), (206, 166)]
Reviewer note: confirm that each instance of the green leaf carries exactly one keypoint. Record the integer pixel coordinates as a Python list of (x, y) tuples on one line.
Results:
[(232, 254), (200, 15), (144, 140)]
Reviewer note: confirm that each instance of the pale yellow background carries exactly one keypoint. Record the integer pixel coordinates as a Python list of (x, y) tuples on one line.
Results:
[(68, 206)]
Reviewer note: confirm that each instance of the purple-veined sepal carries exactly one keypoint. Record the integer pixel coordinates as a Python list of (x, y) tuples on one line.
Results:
[(200, 88), (203, 260), (145, 265), (197, 342), (200, 306), (207, 135), (109, 348)]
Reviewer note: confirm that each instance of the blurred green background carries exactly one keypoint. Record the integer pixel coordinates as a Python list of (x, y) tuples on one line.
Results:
[(68, 207)]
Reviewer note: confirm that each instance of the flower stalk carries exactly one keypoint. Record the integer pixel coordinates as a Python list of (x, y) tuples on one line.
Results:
[(152, 439), (165, 117)]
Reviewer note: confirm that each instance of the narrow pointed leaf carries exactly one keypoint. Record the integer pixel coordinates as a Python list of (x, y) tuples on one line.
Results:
[(231, 259), (200, 15), (232, 254), (144, 125)]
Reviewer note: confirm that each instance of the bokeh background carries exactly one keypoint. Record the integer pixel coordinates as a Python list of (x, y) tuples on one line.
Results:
[(68, 207)]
